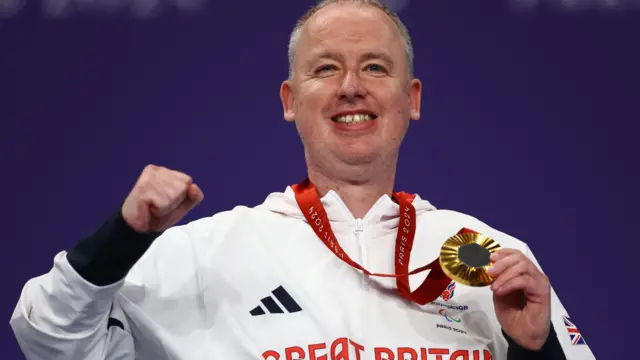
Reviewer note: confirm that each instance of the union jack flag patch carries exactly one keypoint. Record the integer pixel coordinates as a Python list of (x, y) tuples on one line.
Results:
[(574, 333)]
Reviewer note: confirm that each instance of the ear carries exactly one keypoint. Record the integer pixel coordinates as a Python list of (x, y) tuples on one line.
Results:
[(287, 98), (415, 94)]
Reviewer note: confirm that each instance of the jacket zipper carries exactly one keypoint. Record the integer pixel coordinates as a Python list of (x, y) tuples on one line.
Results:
[(365, 283), (363, 250)]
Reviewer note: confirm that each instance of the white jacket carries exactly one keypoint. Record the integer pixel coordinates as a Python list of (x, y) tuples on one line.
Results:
[(256, 283)]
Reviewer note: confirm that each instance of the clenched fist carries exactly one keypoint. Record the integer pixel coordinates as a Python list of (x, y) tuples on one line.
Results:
[(159, 199)]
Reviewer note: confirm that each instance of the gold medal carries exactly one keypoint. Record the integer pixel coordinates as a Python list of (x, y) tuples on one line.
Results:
[(465, 258)]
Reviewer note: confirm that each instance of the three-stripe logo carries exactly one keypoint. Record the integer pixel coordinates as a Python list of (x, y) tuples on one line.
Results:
[(270, 303)]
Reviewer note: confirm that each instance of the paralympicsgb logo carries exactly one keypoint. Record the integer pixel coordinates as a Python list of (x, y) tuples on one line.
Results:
[(448, 292)]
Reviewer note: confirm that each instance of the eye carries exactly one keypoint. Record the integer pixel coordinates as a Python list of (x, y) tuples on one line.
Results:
[(375, 68), (325, 68)]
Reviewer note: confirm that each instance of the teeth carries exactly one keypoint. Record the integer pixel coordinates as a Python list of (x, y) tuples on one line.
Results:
[(352, 119)]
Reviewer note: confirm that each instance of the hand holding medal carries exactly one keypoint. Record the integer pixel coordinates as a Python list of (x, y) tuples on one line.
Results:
[(521, 292)]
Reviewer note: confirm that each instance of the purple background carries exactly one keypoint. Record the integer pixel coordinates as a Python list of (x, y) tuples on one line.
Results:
[(529, 123)]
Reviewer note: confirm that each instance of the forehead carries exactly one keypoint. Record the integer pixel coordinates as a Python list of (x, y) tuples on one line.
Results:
[(358, 26)]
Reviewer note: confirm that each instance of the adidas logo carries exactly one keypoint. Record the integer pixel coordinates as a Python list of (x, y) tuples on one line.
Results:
[(274, 304)]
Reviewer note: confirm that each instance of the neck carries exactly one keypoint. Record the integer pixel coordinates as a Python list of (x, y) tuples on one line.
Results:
[(359, 186)]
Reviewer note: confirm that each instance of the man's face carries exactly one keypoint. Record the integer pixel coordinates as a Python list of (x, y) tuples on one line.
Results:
[(351, 96)]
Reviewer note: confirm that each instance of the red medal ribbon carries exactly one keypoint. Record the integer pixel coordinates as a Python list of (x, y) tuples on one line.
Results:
[(435, 283)]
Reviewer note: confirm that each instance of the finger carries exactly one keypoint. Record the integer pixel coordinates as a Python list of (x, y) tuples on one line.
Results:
[(162, 174), (517, 269), (176, 187), (192, 197), (504, 263), (180, 177), (502, 253), (149, 192), (160, 199), (163, 195), (155, 172), (175, 184), (163, 189), (525, 283), (176, 197)]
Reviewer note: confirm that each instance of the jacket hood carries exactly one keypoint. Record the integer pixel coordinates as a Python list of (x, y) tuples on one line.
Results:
[(384, 208)]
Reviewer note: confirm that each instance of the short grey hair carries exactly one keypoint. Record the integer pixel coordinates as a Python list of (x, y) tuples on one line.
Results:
[(404, 32)]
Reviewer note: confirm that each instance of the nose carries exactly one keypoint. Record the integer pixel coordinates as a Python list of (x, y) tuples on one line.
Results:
[(351, 87)]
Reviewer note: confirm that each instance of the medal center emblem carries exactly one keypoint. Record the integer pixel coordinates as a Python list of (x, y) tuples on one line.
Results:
[(474, 255)]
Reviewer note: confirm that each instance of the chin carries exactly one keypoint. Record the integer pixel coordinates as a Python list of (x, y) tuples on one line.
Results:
[(360, 158)]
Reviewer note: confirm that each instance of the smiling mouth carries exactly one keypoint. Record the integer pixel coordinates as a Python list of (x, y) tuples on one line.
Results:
[(353, 118)]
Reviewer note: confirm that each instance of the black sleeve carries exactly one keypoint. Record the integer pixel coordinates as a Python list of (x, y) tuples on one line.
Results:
[(106, 256), (551, 350)]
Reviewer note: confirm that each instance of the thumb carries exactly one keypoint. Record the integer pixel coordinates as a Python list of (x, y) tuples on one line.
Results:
[(194, 197)]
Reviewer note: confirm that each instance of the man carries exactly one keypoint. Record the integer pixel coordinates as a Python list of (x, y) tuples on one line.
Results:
[(277, 281)]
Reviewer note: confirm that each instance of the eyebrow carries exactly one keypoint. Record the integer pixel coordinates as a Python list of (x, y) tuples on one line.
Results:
[(377, 56), (325, 54)]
